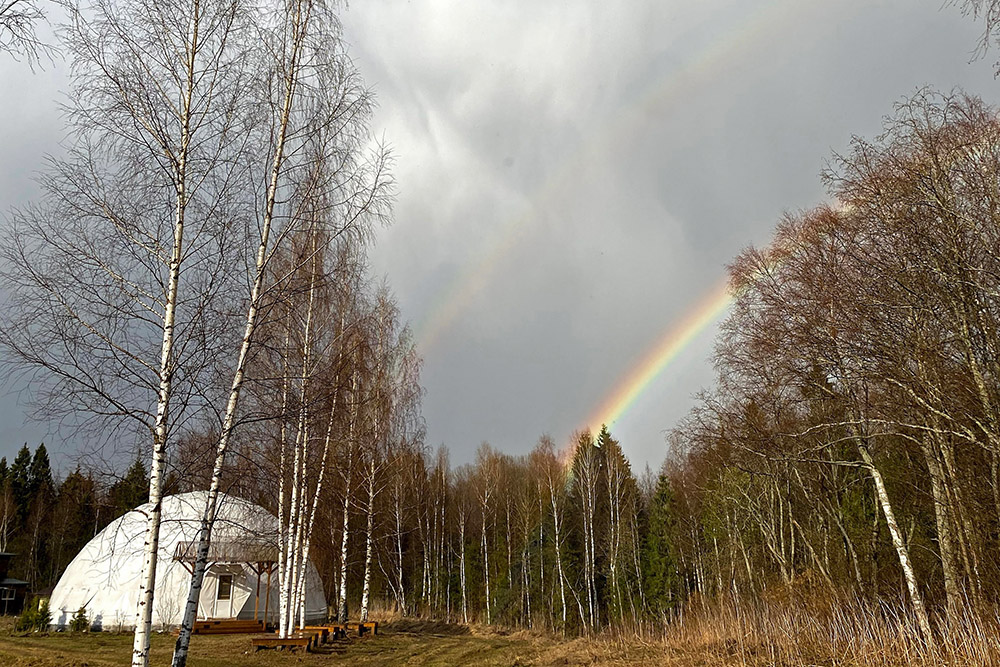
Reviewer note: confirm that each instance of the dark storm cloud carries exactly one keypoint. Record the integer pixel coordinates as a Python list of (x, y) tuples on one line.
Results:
[(589, 168), (498, 100)]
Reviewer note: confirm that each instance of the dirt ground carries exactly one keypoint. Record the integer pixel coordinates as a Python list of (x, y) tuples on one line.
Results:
[(401, 643)]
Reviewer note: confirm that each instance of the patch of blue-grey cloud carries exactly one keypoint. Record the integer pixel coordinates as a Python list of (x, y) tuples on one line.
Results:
[(540, 123)]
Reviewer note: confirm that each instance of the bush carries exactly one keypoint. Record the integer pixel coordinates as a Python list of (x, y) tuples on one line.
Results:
[(26, 621), (79, 622), (35, 617), (43, 618)]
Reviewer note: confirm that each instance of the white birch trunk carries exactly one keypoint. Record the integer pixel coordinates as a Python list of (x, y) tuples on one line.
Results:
[(348, 476), (283, 536), (916, 598), (370, 510), (558, 545), (486, 559), (147, 580), (299, 26), (401, 594), (461, 571), (342, 602)]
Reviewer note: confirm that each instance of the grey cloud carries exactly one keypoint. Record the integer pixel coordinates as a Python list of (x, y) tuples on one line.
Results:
[(543, 128)]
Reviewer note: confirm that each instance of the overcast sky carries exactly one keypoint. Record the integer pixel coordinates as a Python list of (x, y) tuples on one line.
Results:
[(574, 176)]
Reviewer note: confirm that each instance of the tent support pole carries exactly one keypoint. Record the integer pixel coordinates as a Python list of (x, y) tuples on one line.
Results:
[(267, 596), (256, 599)]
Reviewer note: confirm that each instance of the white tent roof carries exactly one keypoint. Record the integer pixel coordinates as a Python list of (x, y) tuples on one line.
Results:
[(104, 576)]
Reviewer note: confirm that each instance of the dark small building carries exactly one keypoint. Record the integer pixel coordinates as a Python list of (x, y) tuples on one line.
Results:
[(12, 591)]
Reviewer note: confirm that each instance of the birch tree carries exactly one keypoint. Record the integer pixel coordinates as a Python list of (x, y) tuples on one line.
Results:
[(19, 21), (314, 113), (119, 261)]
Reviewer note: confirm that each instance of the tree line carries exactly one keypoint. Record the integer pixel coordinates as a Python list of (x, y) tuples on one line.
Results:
[(852, 434), (46, 520), (563, 540)]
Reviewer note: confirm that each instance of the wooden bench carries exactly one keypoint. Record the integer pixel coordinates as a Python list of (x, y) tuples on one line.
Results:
[(321, 631), (338, 630), (362, 629), (226, 627), (304, 640)]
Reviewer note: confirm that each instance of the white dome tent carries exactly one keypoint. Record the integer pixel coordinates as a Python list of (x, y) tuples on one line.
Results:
[(104, 576)]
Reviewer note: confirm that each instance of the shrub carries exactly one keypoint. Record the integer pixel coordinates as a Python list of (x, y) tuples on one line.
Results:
[(35, 617), (26, 621), (43, 618), (79, 622)]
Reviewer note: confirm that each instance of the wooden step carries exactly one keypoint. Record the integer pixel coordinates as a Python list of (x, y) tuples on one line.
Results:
[(362, 629)]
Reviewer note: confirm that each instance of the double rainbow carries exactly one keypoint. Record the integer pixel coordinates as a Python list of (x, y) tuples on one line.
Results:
[(658, 357), (768, 21)]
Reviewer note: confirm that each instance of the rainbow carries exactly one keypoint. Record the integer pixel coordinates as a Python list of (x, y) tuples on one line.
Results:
[(659, 356), (667, 348), (767, 21)]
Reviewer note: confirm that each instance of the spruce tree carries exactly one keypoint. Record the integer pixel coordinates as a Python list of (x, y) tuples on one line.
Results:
[(19, 482), (35, 537), (74, 519), (40, 474), (131, 490), (659, 572)]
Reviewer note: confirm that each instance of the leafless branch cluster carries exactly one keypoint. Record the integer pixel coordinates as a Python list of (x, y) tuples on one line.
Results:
[(19, 20)]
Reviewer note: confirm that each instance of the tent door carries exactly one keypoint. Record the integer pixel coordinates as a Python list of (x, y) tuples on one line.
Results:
[(224, 596)]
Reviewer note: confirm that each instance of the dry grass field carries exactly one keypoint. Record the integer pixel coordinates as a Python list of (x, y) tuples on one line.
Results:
[(789, 634), (399, 644)]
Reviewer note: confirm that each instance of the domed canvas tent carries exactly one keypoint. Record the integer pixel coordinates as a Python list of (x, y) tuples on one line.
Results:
[(104, 576)]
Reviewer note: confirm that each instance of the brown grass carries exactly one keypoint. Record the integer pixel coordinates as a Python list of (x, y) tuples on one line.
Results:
[(790, 630), (777, 630), (399, 643)]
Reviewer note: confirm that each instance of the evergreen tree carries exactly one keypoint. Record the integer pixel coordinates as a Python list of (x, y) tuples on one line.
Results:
[(659, 571), (40, 474), (19, 482), (8, 508), (35, 537), (74, 519), (130, 491)]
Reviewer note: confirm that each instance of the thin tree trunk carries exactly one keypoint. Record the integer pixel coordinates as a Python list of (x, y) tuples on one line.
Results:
[(461, 572), (559, 563), (299, 27), (486, 567), (147, 578), (366, 586), (348, 476), (916, 598)]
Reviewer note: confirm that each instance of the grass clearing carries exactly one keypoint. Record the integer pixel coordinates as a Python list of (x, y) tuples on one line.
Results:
[(403, 643), (755, 636)]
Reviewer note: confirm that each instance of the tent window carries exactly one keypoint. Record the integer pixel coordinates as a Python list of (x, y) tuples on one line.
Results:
[(225, 586), (6, 593)]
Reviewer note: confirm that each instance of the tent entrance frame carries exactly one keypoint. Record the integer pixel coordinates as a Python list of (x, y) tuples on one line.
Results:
[(259, 557)]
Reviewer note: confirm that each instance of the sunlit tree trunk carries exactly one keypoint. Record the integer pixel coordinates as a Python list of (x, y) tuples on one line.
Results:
[(916, 598)]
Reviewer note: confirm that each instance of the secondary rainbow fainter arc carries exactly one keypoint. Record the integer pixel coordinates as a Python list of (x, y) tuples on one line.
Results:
[(669, 346), (768, 20)]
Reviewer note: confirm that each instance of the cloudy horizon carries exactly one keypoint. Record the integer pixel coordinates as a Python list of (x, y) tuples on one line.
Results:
[(573, 178)]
